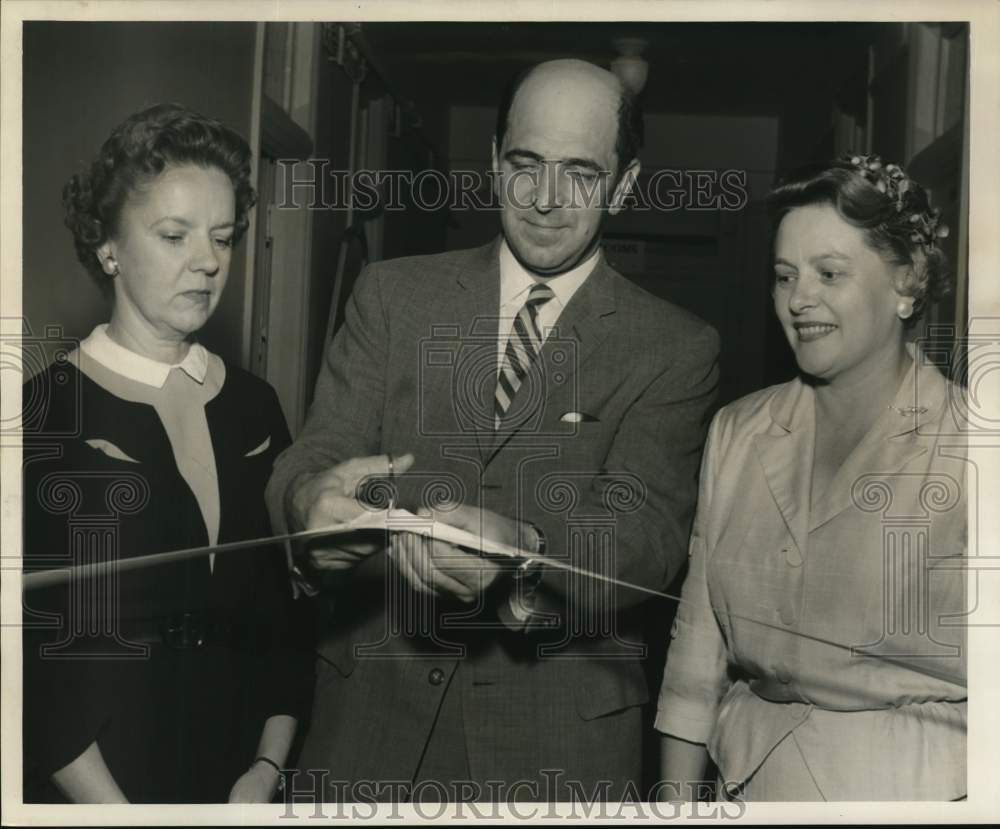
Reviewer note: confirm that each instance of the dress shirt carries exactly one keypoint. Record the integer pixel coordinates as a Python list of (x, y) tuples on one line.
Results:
[(515, 284)]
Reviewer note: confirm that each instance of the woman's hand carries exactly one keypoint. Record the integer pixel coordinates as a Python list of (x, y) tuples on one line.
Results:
[(682, 770), (256, 785), (259, 783)]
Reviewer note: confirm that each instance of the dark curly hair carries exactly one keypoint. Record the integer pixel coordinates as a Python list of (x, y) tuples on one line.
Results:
[(898, 222), (138, 150)]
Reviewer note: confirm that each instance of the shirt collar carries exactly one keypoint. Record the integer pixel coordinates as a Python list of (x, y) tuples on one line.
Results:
[(515, 280), (102, 349)]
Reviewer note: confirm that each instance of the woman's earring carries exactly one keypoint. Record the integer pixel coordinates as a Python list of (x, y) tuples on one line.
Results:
[(904, 310), (111, 268)]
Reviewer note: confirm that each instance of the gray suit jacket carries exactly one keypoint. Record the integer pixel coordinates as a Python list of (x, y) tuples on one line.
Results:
[(600, 450)]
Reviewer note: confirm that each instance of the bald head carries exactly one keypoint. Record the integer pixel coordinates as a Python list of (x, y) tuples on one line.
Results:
[(583, 76), (571, 75), (567, 90)]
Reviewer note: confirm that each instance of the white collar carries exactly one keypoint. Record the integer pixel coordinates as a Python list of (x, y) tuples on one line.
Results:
[(516, 280), (102, 349)]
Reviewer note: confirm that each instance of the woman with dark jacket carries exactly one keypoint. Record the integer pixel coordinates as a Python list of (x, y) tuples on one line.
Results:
[(180, 683)]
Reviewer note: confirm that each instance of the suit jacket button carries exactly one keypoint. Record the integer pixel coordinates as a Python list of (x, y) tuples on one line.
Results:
[(436, 676)]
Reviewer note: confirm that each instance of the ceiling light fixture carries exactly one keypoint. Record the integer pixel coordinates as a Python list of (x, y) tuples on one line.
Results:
[(629, 66)]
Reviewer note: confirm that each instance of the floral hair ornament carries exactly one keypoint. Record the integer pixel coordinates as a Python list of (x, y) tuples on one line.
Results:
[(892, 182)]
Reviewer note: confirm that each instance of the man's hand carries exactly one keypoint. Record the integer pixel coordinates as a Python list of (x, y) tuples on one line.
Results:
[(440, 568), (319, 499), (492, 526)]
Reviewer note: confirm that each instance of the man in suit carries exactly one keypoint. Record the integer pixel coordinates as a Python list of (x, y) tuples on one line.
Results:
[(539, 400)]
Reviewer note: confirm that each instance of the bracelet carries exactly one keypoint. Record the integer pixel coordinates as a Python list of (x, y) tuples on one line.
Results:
[(269, 761), (275, 766)]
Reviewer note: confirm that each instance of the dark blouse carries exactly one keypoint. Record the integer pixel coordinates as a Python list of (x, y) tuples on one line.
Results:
[(173, 724)]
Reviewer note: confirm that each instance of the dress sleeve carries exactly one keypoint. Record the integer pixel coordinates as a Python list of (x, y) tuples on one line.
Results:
[(284, 666), (695, 678), (66, 705), (67, 700), (284, 673)]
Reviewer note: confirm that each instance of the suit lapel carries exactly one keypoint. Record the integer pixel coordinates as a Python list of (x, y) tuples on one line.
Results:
[(582, 327), (475, 376), (786, 454), (480, 288), (583, 324)]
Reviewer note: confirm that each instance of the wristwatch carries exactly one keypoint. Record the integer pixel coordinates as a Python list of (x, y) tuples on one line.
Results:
[(539, 539), (529, 572)]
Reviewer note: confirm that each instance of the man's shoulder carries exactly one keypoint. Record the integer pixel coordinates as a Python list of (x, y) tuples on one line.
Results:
[(646, 314), (434, 266)]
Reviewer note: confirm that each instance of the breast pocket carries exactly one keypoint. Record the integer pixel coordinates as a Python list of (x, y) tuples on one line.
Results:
[(588, 439), (257, 459), (110, 450), (260, 448)]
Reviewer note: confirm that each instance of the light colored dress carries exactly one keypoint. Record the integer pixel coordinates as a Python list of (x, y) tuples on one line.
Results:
[(820, 654)]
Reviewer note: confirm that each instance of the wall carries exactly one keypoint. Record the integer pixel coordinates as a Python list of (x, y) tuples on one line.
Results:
[(333, 96), (82, 79), (389, 234)]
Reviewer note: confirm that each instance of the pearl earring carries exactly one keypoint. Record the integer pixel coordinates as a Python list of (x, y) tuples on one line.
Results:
[(904, 310)]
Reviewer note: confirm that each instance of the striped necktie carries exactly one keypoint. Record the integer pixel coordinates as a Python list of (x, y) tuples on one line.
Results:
[(523, 345)]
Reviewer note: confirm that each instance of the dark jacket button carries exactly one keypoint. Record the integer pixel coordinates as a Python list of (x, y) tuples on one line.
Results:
[(436, 676)]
